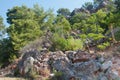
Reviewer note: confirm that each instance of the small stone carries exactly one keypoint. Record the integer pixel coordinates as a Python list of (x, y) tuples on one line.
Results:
[(52, 74)]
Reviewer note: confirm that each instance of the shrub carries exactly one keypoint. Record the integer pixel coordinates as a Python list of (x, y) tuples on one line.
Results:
[(74, 44), (60, 43), (106, 44), (32, 74), (95, 36), (117, 36), (103, 46)]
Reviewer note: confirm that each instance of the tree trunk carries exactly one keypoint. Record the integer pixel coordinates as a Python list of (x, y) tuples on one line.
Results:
[(88, 48), (112, 33)]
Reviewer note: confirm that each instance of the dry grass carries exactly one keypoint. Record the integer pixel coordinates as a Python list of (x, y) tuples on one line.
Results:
[(9, 78)]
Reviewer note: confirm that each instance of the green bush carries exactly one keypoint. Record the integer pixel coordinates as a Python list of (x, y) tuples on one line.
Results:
[(117, 36), (95, 36), (74, 44), (7, 52), (103, 46), (106, 44), (32, 74), (60, 43)]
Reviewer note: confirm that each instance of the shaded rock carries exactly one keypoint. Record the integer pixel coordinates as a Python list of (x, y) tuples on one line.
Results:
[(103, 78), (92, 8), (86, 67), (78, 10), (1, 73), (28, 64), (80, 56), (106, 65), (35, 61)]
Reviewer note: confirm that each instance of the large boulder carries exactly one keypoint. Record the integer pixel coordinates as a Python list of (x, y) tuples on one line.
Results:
[(34, 61)]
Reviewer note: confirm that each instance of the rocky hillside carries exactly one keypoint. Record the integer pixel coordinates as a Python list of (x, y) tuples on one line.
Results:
[(68, 65)]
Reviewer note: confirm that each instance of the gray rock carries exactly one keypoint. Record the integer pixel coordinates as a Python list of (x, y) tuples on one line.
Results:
[(73, 65), (103, 78), (28, 64), (106, 65)]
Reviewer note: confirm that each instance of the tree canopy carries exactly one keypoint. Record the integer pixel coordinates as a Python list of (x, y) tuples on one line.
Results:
[(94, 24)]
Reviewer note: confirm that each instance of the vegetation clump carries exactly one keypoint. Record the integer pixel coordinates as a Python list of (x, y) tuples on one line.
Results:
[(68, 30)]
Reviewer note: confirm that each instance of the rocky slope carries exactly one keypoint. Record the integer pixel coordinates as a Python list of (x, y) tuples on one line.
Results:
[(69, 65)]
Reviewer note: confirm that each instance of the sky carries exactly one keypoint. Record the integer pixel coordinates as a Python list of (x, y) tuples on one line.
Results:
[(46, 4)]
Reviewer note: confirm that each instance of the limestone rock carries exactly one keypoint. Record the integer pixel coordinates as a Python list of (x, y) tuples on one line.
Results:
[(28, 64), (106, 65), (73, 65)]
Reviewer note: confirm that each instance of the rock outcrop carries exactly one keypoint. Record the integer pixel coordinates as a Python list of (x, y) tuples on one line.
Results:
[(92, 8), (74, 65)]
